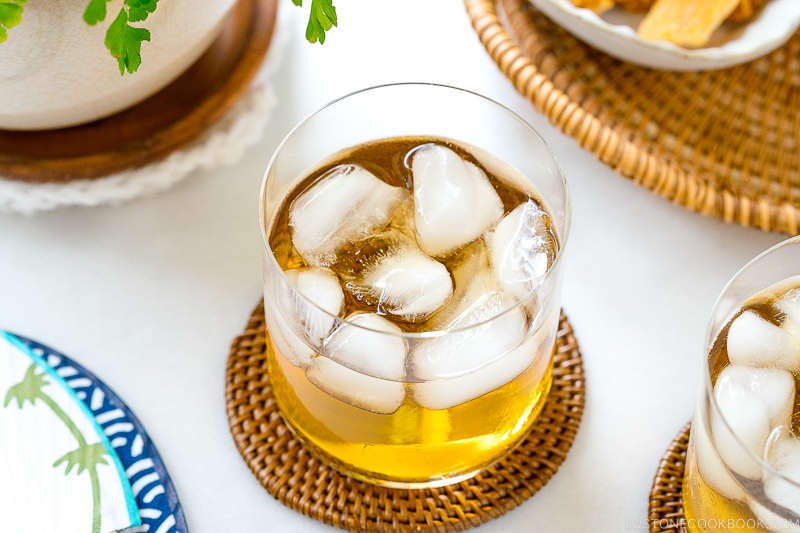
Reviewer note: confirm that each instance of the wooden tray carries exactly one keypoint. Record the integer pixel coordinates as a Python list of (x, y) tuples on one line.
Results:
[(722, 143), (158, 126)]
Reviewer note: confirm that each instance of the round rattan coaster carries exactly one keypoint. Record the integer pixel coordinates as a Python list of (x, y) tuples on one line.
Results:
[(722, 143), (665, 511), (300, 481)]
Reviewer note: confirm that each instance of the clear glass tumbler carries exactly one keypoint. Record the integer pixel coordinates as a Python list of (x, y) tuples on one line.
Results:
[(743, 463), (413, 242)]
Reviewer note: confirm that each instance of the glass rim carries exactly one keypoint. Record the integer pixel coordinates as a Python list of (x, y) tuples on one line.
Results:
[(709, 387), (563, 236)]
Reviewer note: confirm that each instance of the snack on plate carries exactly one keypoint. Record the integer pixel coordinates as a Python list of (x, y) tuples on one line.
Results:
[(598, 6), (685, 22), (688, 23), (635, 6), (745, 10)]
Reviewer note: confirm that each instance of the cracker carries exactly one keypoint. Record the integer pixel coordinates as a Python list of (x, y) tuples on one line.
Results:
[(688, 23), (598, 6), (635, 6), (746, 10)]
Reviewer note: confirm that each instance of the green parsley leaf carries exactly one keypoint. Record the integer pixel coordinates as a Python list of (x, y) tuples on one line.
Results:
[(10, 16), (321, 19), (125, 43), (139, 10), (123, 40), (95, 12)]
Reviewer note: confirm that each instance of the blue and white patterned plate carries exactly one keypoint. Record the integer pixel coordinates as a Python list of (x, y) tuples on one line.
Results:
[(151, 486)]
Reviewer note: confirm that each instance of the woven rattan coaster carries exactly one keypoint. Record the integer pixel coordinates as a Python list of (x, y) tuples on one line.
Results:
[(721, 143), (665, 512), (300, 481)]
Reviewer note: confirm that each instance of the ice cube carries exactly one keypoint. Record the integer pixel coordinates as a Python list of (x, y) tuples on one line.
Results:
[(354, 388), (483, 335), (364, 364), (473, 282), (321, 286), (346, 204), (369, 344), (754, 341), (753, 401), (285, 339), (445, 393), (789, 305), (783, 454), (709, 464), (770, 520), (453, 199), (390, 272), (521, 248)]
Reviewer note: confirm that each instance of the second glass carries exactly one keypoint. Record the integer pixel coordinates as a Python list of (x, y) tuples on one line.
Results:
[(743, 461), (413, 243)]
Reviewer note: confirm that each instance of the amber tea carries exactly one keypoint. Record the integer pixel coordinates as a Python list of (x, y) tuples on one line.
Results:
[(412, 298)]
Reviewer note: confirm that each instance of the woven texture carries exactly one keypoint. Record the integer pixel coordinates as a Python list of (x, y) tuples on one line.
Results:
[(665, 512), (300, 481), (722, 143)]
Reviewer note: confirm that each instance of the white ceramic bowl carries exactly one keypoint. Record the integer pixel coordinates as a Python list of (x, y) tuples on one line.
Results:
[(615, 34), (55, 70)]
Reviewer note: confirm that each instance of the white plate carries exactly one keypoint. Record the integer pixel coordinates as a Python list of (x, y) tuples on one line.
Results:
[(615, 34)]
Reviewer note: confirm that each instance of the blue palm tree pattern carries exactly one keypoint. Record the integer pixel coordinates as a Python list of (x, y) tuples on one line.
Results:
[(152, 487)]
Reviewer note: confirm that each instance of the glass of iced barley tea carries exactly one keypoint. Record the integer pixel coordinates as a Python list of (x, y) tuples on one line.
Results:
[(743, 462), (413, 241)]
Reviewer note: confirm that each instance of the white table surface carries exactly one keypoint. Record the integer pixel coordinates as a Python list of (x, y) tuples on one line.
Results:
[(149, 294)]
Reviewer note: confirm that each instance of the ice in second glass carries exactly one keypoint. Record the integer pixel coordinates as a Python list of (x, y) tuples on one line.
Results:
[(413, 243), (743, 462)]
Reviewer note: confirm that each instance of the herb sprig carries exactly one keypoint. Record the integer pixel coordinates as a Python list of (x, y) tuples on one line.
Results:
[(124, 41), (321, 19), (10, 16)]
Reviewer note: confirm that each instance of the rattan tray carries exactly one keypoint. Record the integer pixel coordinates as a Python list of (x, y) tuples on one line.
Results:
[(723, 143), (293, 476)]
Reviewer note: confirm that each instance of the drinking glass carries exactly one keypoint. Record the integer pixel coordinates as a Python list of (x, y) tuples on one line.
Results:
[(400, 405), (743, 461)]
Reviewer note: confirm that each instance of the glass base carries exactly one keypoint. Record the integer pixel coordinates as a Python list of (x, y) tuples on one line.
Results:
[(412, 447)]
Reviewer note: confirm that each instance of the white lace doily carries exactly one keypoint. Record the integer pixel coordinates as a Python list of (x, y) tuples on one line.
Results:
[(223, 144)]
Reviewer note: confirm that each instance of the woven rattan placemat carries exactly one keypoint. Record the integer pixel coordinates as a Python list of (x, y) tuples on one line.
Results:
[(724, 143), (300, 481), (665, 512)]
